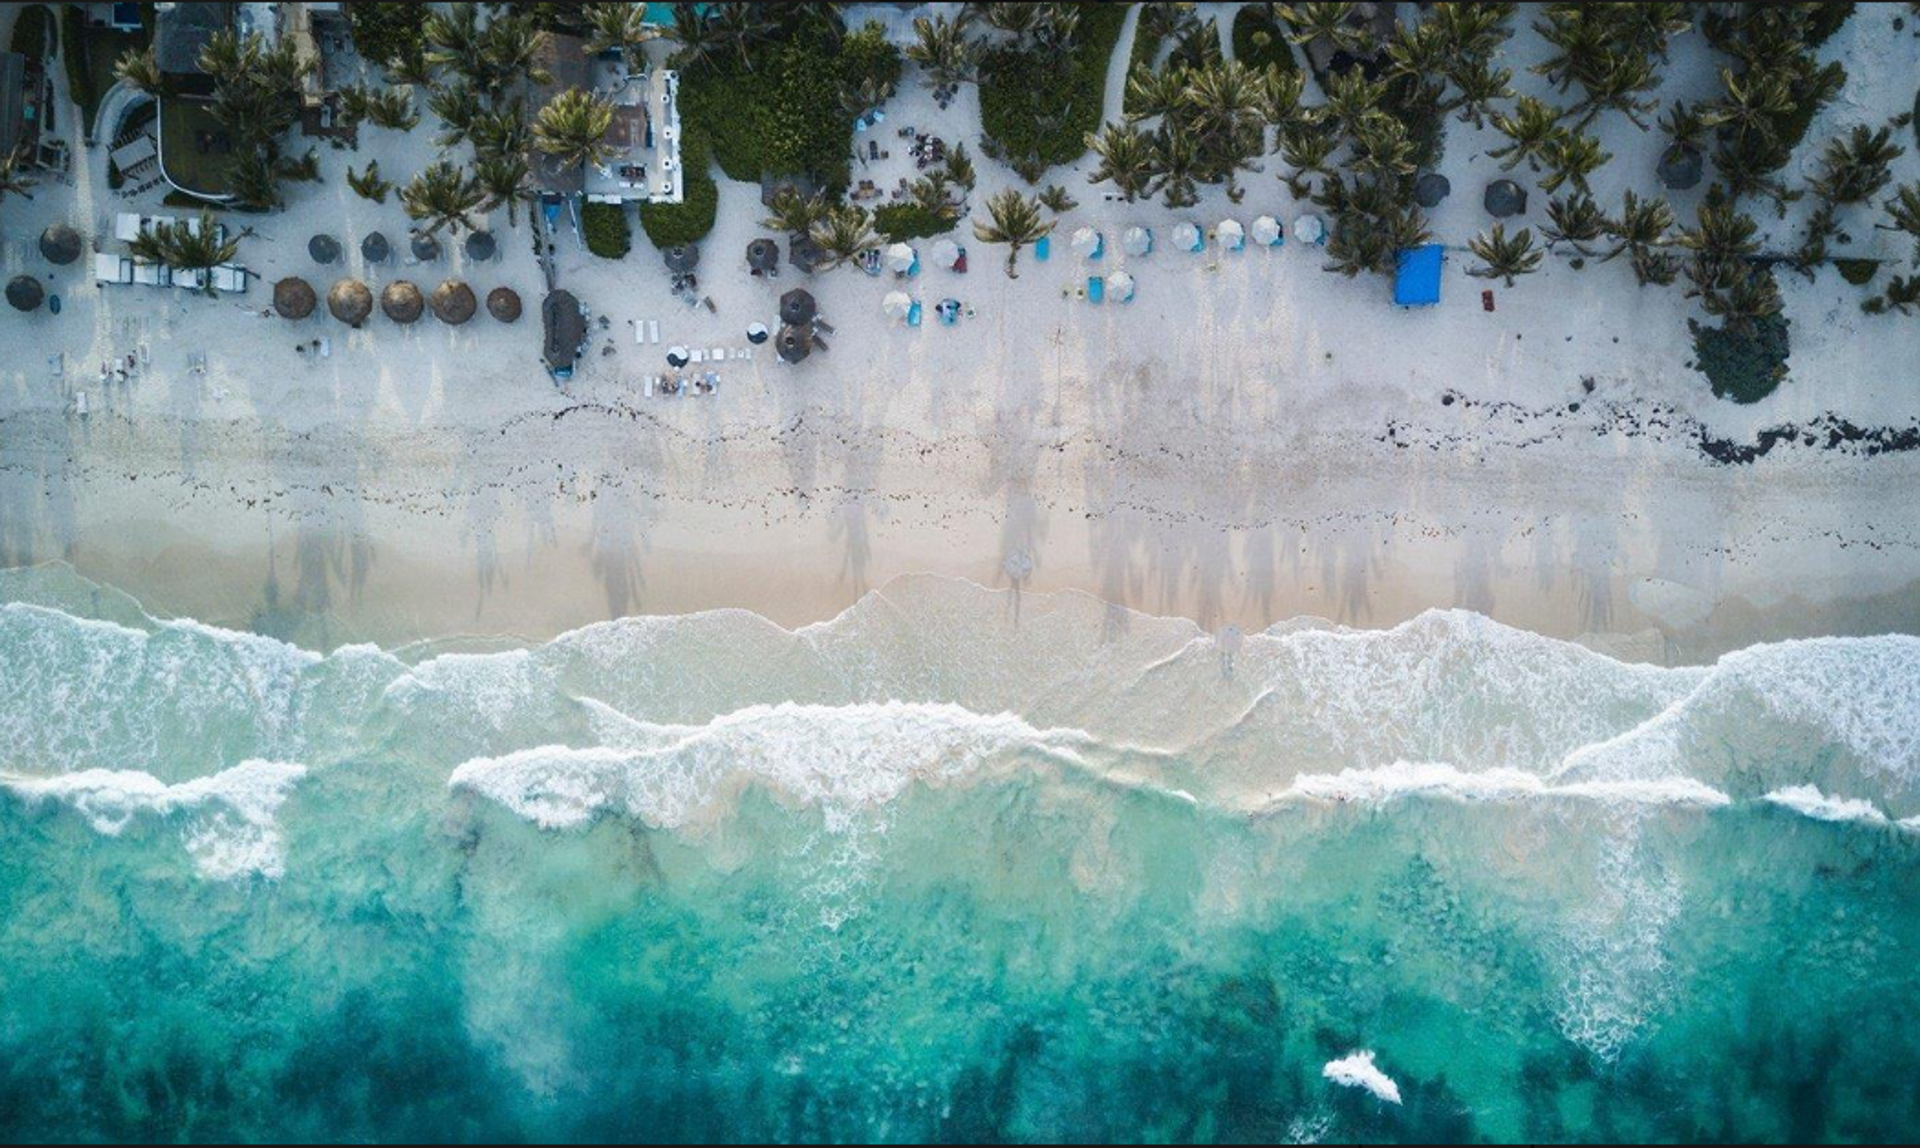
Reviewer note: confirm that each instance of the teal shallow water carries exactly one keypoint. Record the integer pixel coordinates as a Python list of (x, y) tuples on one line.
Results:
[(953, 866)]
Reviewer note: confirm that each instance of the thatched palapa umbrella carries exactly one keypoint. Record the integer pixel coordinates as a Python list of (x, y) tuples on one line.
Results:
[(293, 298), (797, 307), (453, 302), (350, 302), (1505, 198), (481, 246), (503, 304), (25, 293), (793, 343), (375, 248), (323, 248), (763, 255), (402, 302), (61, 244), (683, 258)]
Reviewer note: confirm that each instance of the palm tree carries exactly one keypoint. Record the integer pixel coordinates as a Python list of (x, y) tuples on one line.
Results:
[(1503, 257), (1902, 295), (1903, 214), (504, 181), (933, 194), (1481, 85), (1351, 97), (139, 68), (454, 38), (368, 184), (1572, 156), (456, 105), (1280, 96), (1057, 199), (845, 234), (1533, 128), (1309, 24), (793, 212), (14, 181), (960, 166), (944, 51), (389, 108), (1854, 167), (1307, 150), (1013, 219), (1752, 106), (442, 195), (1382, 149), (1751, 296), (1640, 232), (700, 40), (870, 93), (1176, 167), (187, 245), (502, 130), (1016, 20), (1575, 220), (1126, 158), (1151, 93), (572, 128), (1721, 236), (742, 27), (621, 28)]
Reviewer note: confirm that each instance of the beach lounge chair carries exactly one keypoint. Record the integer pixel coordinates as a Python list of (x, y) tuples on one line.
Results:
[(653, 330), (1042, 247), (913, 314), (1096, 288)]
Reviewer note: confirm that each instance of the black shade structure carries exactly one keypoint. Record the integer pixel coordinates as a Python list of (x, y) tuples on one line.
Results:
[(61, 244), (1505, 198), (797, 307)]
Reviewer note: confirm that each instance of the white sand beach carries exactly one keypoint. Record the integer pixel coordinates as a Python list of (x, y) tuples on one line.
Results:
[(1250, 439)]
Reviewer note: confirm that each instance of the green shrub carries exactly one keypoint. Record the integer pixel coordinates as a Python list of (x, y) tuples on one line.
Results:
[(902, 221), (783, 117), (1036, 110), (606, 230), (1744, 366), (384, 32), (1258, 40), (30, 31), (672, 224), (1858, 272)]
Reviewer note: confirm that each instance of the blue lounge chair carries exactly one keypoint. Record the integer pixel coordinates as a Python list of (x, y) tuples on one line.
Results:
[(1096, 288), (1042, 247), (913, 314)]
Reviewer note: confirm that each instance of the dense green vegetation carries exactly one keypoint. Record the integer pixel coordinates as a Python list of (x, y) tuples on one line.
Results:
[(1259, 39), (89, 55), (605, 229), (784, 115), (30, 32), (902, 221), (1858, 272), (387, 32), (1743, 365), (671, 224), (1042, 93)]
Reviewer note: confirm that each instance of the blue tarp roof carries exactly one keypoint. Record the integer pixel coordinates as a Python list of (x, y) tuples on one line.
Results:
[(1416, 281)]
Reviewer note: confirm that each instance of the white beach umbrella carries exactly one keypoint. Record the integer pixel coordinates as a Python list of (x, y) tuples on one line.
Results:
[(1086, 243), (1136, 241), (900, 259), (1232, 236), (1187, 237), (1267, 232), (896, 304), (946, 253), (1120, 286), (1309, 229)]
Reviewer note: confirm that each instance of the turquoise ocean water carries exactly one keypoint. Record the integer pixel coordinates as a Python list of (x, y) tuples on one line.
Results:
[(954, 866)]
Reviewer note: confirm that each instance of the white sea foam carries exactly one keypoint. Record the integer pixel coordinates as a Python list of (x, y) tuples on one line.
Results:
[(1808, 801), (840, 758), (1405, 779), (226, 819), (1357, 1070)]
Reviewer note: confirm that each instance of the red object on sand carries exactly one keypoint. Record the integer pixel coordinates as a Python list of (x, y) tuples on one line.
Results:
[(1486, 300), (960, 264)]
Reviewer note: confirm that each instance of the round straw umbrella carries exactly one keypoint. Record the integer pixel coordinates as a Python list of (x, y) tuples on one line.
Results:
[(797, 307), (682, 258), (61, 244), (402, 302), (293, 298), (503, 304), (763, 255), (350, 302), (453, 302), (25, 293), (793, 344)]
